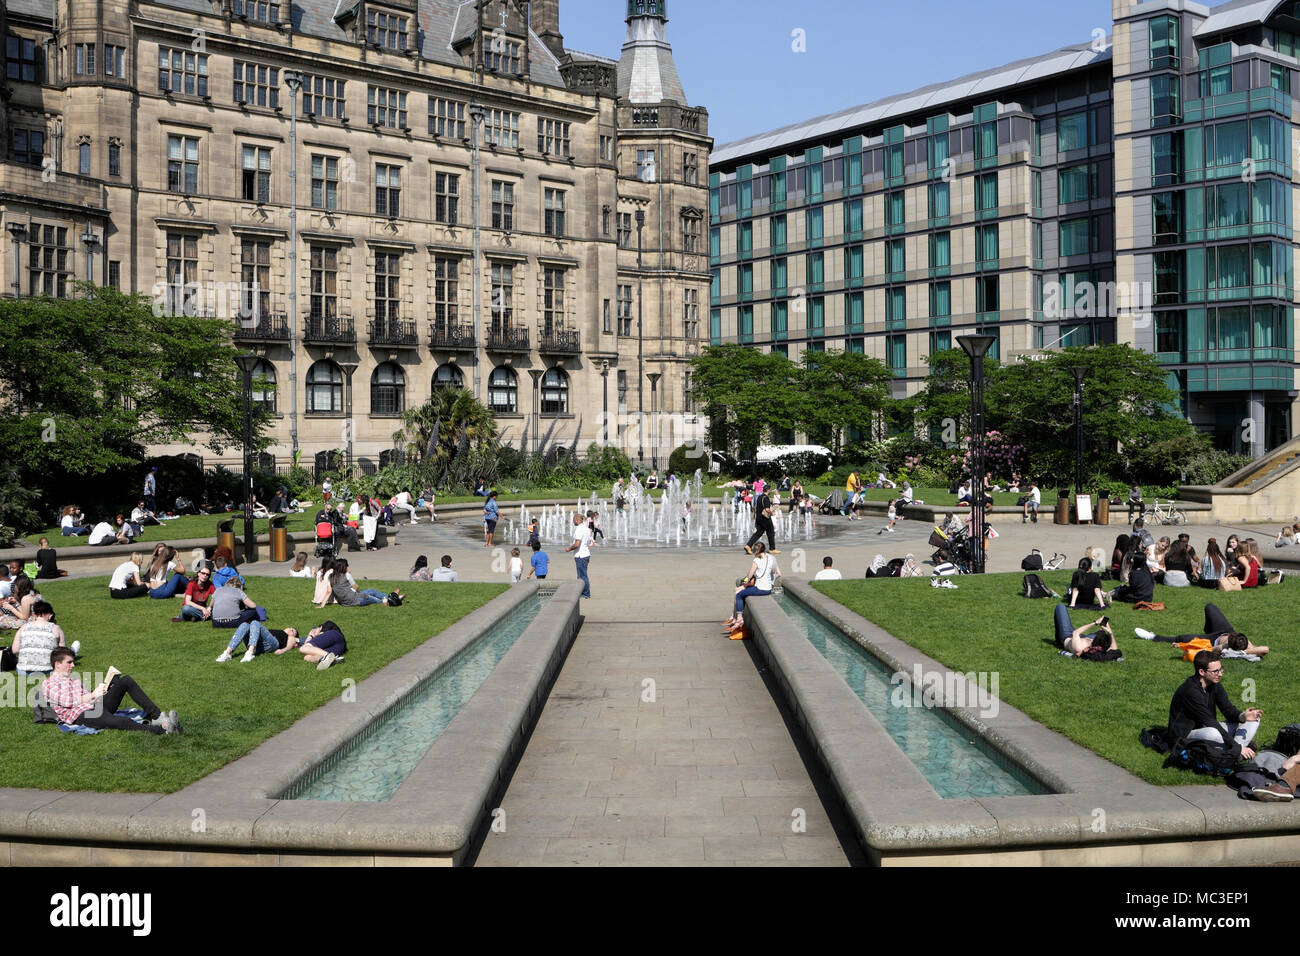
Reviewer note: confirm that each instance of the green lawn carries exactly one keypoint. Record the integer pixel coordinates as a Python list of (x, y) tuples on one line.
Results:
[(986, 626), (226, 709), (179, 529)]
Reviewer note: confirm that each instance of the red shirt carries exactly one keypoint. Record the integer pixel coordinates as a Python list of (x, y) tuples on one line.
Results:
[(199, 595), (1252, 578)]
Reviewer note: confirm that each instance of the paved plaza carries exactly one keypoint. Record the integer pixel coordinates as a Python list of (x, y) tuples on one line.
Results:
[(660, 741)]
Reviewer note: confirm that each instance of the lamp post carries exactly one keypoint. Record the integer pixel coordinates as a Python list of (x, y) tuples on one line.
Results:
[(17, 233), (654, 418), (90, 241), (536, 373), (247, 363), (476, 116), (294, 82), (640, 339), (604, 401), (349, 369), (1079, 372), (976, 346)]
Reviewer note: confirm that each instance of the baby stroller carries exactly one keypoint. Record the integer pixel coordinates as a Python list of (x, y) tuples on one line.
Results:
[(833, 504), (326, 545)]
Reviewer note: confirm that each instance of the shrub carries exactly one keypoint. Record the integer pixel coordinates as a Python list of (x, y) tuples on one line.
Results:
[(604, 463), (688, 457), (801, 464)]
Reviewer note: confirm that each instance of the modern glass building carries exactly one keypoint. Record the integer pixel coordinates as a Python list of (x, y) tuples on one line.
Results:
[(1137, 188)]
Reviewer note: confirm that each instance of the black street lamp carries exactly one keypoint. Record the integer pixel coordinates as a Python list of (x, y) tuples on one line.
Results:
[(247, 364), (536, 373), (349, 369), (1079, 372), (18, 233), (976, 346), (654, 420), (604, 388), (640, 368)]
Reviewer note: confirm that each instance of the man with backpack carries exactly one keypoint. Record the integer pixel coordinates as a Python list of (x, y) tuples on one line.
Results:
[(1192, 710)]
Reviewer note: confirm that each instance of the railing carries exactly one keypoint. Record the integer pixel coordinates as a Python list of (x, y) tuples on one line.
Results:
[(506, 339), (452, 337), (558, 340), (399, 332), (330, 328), (273, 327)]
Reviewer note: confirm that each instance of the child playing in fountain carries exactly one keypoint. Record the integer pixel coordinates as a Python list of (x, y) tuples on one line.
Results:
[(686, 516), (893, 516), (593, 525), (540, 562), (516, 566), (534, 533)]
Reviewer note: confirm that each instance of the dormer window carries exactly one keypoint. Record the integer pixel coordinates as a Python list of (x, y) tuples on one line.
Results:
[(503, 55), (386, 30), (259, 11)]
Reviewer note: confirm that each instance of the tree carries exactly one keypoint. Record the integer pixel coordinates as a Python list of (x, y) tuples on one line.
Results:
[(87, 383), (747, 392), (1127, 407), (943, 403), (842, 390), (450, 439)]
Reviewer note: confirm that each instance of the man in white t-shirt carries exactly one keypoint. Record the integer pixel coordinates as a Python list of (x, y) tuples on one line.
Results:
[(402, 502), (105, 533), (582, 545), (1031, 503), (125, 582), (828, 573)]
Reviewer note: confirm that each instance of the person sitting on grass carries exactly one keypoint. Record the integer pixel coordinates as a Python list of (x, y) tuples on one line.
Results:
[(347, 594), (1247, 565), (194, 607), (225, 571), (1180, 569), (167, 575), (1072, 640), (142, 516), (70, 523), (1218, 635), (1289, 535), (125, 582), (36, 640), (300, 568), (97, 709), (1192, 710), (325, 582), (445, 574), (1139, 586), (105, 534), (17, 608), (420, 572), (1085, 588), (231, 607), (325, 644), (47, 562), (127, 529)]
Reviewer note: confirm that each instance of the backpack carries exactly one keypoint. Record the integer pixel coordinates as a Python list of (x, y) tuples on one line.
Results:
[(1033, 587), (1288, 740), (394, 599), (1033, 561), (1211, 758), (1156, 738)]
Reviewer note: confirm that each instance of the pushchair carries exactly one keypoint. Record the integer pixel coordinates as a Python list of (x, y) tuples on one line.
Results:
[(833, 504), (326, 545), (956, 552)]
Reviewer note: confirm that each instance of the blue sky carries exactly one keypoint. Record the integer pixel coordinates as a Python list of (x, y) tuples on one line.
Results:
[(736, 58)]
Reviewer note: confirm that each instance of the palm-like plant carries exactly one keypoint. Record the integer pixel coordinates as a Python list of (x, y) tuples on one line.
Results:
[(450, 439)]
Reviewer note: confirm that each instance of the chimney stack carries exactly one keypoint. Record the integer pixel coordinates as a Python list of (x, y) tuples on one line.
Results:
[(546, 24)]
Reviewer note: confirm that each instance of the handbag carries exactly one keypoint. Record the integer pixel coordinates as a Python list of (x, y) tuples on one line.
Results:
[(1229, 584)]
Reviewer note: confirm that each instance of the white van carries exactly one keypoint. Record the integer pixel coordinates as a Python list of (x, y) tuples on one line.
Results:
[(770, 453)]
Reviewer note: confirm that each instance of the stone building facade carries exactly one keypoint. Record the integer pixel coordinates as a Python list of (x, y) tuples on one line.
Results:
[(149, 147)]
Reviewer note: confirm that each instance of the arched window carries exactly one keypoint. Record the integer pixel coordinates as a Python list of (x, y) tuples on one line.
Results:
[(325, 388), (264, 387), (448, 376), (555, 392), (387, 390), (503, 390)]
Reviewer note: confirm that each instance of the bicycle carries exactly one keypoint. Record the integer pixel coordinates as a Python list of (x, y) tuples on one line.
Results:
[(1165, 514)]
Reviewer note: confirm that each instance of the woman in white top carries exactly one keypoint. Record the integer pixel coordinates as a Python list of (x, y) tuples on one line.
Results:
[(300, 568), (36, 639), (759, 583)]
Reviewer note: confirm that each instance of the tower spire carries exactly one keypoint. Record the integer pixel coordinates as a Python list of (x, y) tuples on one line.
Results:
[(646, 71)]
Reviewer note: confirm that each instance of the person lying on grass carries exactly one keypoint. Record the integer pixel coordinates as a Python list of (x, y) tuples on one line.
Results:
[(1192, 710), (347, 594), (261, 640), (324, 645), (1074, 641), (98, 708), (1218, 635)]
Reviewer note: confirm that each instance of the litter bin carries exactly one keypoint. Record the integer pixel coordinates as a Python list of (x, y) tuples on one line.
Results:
[(226, 534), (1103, 507), (1062, 515), (279, 539)]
